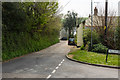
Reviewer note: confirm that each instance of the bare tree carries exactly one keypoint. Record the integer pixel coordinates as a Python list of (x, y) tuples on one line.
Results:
[(99, 26)]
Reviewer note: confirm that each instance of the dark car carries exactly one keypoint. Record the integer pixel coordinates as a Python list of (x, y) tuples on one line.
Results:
[(71, 41), (64, 38)]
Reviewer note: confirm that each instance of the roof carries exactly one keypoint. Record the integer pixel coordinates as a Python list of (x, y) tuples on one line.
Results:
[(99, 20)]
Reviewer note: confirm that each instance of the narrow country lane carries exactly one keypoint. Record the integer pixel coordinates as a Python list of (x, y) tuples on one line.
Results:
[(52, 63), (36, 65)]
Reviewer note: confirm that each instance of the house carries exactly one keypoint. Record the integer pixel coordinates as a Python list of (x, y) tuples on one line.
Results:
[(98, 23), (80, 34), (63, 33), (99, 20)]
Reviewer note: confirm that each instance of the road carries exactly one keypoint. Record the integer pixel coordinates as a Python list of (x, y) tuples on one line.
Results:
[(52, 63)]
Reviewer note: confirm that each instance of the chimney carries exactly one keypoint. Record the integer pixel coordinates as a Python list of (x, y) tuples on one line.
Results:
[(95, 11)]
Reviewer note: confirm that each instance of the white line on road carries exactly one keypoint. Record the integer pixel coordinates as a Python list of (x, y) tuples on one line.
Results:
[(54, 71), (48, 76), (57, 67)]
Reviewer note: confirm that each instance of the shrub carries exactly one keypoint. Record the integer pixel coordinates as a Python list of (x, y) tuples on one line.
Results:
[(15, 45), (117, 37), (100, 48), (87, 46), (82, 47), (75, 39), (87, 37)]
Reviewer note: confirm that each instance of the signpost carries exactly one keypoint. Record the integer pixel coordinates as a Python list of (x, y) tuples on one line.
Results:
[(113, 52)]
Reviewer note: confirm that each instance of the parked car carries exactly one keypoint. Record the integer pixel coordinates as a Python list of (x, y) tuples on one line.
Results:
[(71, 41), (64, 38)]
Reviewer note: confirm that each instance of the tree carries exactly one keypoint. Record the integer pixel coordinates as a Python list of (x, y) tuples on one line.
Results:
[(99, 27), (13, 18), (70, 22), (117, 35), (30, 17), (28, 27)]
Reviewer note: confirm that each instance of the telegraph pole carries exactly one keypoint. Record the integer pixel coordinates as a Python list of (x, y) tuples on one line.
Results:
[(91, 21), (106, 15)]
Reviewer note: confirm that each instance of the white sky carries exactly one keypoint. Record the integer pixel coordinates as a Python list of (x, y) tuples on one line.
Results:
[(83, 7)]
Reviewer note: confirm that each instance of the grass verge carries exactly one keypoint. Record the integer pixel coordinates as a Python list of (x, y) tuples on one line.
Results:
[(94, 58)]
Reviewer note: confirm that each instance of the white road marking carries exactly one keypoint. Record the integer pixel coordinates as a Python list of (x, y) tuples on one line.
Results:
[(54, 71), (57, 67), (49, 76), (61, 62)]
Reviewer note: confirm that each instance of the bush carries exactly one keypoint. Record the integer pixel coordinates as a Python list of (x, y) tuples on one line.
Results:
[(117, 37), (75, 39), (28, 27), (18, 44), (100, 48), (82, 47), (87, 37), (87, 46)]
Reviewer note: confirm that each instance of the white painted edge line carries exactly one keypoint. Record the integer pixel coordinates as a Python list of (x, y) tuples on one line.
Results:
[(54, 71), (49, 76)]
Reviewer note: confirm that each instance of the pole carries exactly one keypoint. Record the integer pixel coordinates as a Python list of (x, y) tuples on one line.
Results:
[(91, 20), (106, 10), (106, 15)]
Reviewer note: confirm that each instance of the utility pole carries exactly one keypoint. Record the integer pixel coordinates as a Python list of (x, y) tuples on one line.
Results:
[(106, 15), (91, 21)]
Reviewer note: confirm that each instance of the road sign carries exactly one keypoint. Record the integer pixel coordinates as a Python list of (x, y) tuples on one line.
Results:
[(114, 51)]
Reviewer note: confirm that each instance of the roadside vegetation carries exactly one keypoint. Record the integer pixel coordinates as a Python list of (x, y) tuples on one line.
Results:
[(94, 58), (28, 27), (96, 53), (102, 42)]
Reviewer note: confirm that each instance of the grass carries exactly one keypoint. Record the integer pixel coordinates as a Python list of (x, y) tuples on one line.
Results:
[(94, 58)]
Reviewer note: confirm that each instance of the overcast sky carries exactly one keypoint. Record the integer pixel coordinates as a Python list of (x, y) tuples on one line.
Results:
[(83, 7)]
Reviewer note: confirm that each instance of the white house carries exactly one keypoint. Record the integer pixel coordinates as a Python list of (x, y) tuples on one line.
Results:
[(80, 35), (63, 33)]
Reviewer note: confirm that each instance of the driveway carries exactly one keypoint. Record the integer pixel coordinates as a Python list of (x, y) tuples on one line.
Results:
[(52, 63)]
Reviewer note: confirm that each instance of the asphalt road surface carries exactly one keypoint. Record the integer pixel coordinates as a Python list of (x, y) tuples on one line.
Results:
[(52, 63)]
